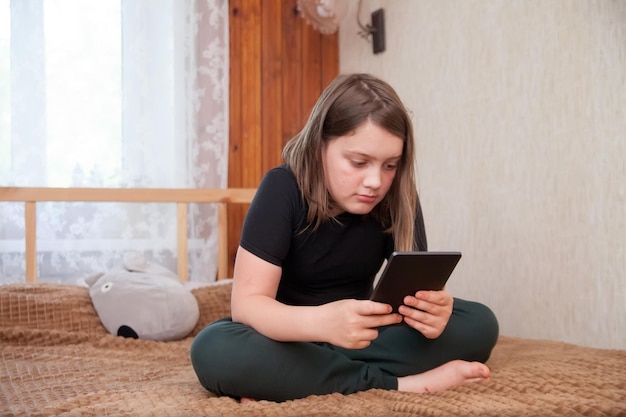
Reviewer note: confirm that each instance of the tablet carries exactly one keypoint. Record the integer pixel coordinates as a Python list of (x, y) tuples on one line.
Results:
[(408, 272)]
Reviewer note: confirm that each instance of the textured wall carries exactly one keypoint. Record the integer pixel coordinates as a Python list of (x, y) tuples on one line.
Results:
[(520, 114)]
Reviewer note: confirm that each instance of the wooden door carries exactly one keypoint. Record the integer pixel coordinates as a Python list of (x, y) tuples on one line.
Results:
[(279, 66)]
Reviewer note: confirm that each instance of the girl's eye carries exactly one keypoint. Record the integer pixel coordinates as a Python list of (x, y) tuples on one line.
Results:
[(391, 167), (358, 163)]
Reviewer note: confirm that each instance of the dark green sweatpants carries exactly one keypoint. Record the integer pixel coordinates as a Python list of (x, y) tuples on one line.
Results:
[(233, 359)]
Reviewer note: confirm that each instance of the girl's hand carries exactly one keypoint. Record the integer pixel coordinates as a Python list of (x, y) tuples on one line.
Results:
[(353, 324), (428, 312)]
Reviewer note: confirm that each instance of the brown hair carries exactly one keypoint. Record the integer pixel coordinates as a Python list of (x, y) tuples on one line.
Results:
[(349, 101)]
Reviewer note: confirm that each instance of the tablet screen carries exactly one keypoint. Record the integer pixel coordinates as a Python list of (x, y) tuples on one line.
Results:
[(408, 272)]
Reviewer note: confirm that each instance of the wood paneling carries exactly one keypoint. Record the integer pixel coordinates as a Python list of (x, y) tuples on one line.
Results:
[(292, 72), (271, 79), (330, 58), (278, 67)]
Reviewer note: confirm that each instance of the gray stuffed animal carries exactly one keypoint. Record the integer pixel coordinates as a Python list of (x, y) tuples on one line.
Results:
[(143, 300)]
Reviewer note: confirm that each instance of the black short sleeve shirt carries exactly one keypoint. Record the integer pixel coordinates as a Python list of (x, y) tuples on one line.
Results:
[(336, 261)]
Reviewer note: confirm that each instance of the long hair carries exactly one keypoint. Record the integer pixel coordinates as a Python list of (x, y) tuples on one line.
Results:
[(349, 101)]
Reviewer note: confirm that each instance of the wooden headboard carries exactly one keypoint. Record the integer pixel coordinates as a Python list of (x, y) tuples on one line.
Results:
[(181, 197)]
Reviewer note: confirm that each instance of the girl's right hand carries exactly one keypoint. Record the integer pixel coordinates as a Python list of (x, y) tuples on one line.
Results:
[(353, 324)]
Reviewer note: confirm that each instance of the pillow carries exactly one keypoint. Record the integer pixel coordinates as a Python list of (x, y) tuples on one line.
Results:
[(143, 300)]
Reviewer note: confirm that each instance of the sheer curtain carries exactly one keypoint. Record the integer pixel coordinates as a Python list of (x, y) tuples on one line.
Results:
[(130, 93)]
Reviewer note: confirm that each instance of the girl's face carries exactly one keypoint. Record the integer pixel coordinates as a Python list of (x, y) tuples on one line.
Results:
[(360, 167)]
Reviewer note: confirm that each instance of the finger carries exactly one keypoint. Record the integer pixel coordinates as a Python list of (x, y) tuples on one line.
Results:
[(435, 297), (433, 306), (418, 315), (429, 332), (419, 304), (367, 335), (373, 308), (389, 319), (440, 298), (382, 320), (363, 339)]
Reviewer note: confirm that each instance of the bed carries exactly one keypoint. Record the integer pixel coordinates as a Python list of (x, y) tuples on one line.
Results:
[(58, 359)]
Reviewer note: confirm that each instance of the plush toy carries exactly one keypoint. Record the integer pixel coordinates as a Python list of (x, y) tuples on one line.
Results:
[(143, 300)]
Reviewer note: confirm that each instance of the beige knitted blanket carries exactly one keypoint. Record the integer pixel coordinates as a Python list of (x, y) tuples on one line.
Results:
[(57, 359)]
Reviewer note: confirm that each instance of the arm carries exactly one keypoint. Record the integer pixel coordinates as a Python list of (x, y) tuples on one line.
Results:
[(346, 323)]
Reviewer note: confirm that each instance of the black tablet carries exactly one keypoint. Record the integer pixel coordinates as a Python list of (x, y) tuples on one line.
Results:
[(408, 272)]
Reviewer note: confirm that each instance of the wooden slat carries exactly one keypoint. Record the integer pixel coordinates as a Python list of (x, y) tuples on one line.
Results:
[(293, 119), (30, 224), (223, 260), (181, 244), (134, 195), (235, 217), (235, 91), (271, 99), (246, 136), (311, 68), (236, 100), (251, 85), (330, 58)]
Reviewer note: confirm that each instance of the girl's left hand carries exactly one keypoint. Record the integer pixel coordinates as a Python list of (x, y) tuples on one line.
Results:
[(428, 312)]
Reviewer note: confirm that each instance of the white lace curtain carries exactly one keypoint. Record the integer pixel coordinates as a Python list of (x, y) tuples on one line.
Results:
[(110, 93)]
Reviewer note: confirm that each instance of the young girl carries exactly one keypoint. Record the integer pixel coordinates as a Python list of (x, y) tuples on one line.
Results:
[(316, 234)]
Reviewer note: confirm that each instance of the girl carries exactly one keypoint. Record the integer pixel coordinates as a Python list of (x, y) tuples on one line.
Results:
[(317, 232)]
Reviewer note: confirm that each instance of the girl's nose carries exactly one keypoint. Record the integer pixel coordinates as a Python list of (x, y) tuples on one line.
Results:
[(372, 178)]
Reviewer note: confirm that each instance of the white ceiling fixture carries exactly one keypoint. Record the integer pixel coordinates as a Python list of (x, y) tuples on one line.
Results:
[(325, 16)]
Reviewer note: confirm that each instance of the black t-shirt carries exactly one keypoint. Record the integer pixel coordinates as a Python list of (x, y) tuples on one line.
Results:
[(339, 260)]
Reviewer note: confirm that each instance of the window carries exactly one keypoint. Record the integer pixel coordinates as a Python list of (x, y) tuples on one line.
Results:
[(109, 94)]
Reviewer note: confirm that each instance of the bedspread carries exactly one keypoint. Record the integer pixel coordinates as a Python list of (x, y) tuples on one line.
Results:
[(57, 359)]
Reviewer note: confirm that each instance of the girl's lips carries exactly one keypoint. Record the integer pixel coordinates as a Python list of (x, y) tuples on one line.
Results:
[(366, 198)]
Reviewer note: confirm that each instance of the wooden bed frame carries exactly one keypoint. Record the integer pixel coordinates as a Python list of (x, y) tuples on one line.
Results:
[(31, 196)]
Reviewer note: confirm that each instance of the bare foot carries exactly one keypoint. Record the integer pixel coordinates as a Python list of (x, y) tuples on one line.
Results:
[(244, 400), (446, 376)]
